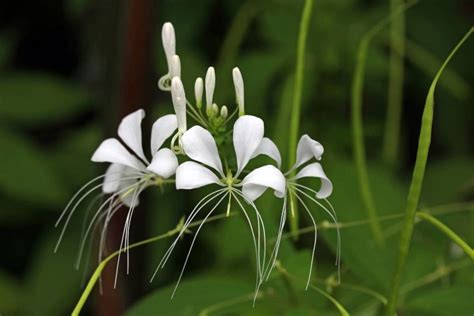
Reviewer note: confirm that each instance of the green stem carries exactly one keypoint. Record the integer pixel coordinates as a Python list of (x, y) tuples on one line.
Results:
[(95, 276), (297, 94), (234, 301), (448, 232), (416, 183), (395, 85)]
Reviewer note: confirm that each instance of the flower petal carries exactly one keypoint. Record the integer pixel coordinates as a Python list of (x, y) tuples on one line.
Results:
[(130, 132), (315, 170), (257, 181), (248, 133), (191, 175), (163, 128), (111, 150), (199, 145), (128, 188), (307, 149), (164, 163), (267, 147), (112, 178)]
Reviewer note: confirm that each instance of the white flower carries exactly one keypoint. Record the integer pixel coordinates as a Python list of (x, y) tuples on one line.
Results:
[(307, 150), (128, 174), (199, 145), (207, 168)]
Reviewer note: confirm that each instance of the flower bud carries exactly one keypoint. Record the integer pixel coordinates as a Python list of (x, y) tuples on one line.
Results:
[(169, 42), (210, 85), (214, 109), (239, 89), (224, 112), (175, 70), (198, 89), (179, 103)]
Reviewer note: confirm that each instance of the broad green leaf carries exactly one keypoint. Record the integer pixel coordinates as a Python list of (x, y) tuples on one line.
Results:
[(26, 174), (454, 300), (10, 294), (52, 284), (36, 98), (193, 296)]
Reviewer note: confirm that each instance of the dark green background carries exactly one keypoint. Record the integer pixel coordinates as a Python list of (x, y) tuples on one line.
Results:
[(61, 93)]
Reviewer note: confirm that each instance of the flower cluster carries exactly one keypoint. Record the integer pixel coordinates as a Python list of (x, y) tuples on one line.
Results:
[(198, 157)]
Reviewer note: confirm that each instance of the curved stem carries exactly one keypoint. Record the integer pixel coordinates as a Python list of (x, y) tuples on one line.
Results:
[(417, 182), (448, 232), (95, 276), (297, 95)]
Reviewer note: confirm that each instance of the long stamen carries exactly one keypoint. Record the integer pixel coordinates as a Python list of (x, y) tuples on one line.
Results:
[(338, 256), (315, 239), (193, 241), (274, 255)]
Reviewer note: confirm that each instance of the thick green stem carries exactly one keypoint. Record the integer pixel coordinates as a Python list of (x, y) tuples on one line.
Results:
[(96, 275), (416, 183), (395, 85), (297, 95), (448, 232)]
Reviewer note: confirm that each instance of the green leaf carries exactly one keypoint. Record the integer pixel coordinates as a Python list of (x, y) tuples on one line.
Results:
[(193, 296), (10, 294), (25, 173), (35, 98), (455, 300), (52, 283)]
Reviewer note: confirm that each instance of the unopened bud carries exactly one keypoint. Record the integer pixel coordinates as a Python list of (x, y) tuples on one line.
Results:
[(210, 85), (169, 42), (224, 112), (179, 103), (239, 89), (198, 89), (175, 70)]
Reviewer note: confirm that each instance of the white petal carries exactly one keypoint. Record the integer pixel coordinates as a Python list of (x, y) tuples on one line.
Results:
[(128, 187), (248, 133), (175, 70), (169, 42), (111, 150), (199, 145), (191, 175), (267, 147), (179, 102), (315, 170), (239, 89), (130, 131), (112, 178), (163, 128), (164, 163), (307, 149), (210, 85), (257, 181)]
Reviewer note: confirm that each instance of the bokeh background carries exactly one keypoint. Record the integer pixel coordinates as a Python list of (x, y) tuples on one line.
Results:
[(69, 70)]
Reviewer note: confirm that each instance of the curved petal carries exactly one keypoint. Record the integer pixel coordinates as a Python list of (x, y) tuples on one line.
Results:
[(315, 170), (199, 145), (307, 149), (191, 175), (111, 150), (163, 128), (257, 181), (267, 147), (130, 131), (164, 163), (248, 133), (112, 178)]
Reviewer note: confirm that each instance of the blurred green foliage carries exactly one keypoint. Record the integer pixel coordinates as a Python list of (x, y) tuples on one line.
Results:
[(52, 118)]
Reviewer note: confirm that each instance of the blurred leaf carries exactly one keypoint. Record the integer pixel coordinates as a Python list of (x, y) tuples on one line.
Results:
[(447, 181), (192, 296), (455, 300), (35, 98), (10, 294), (52, 283), (25, 173), (6, 49)]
